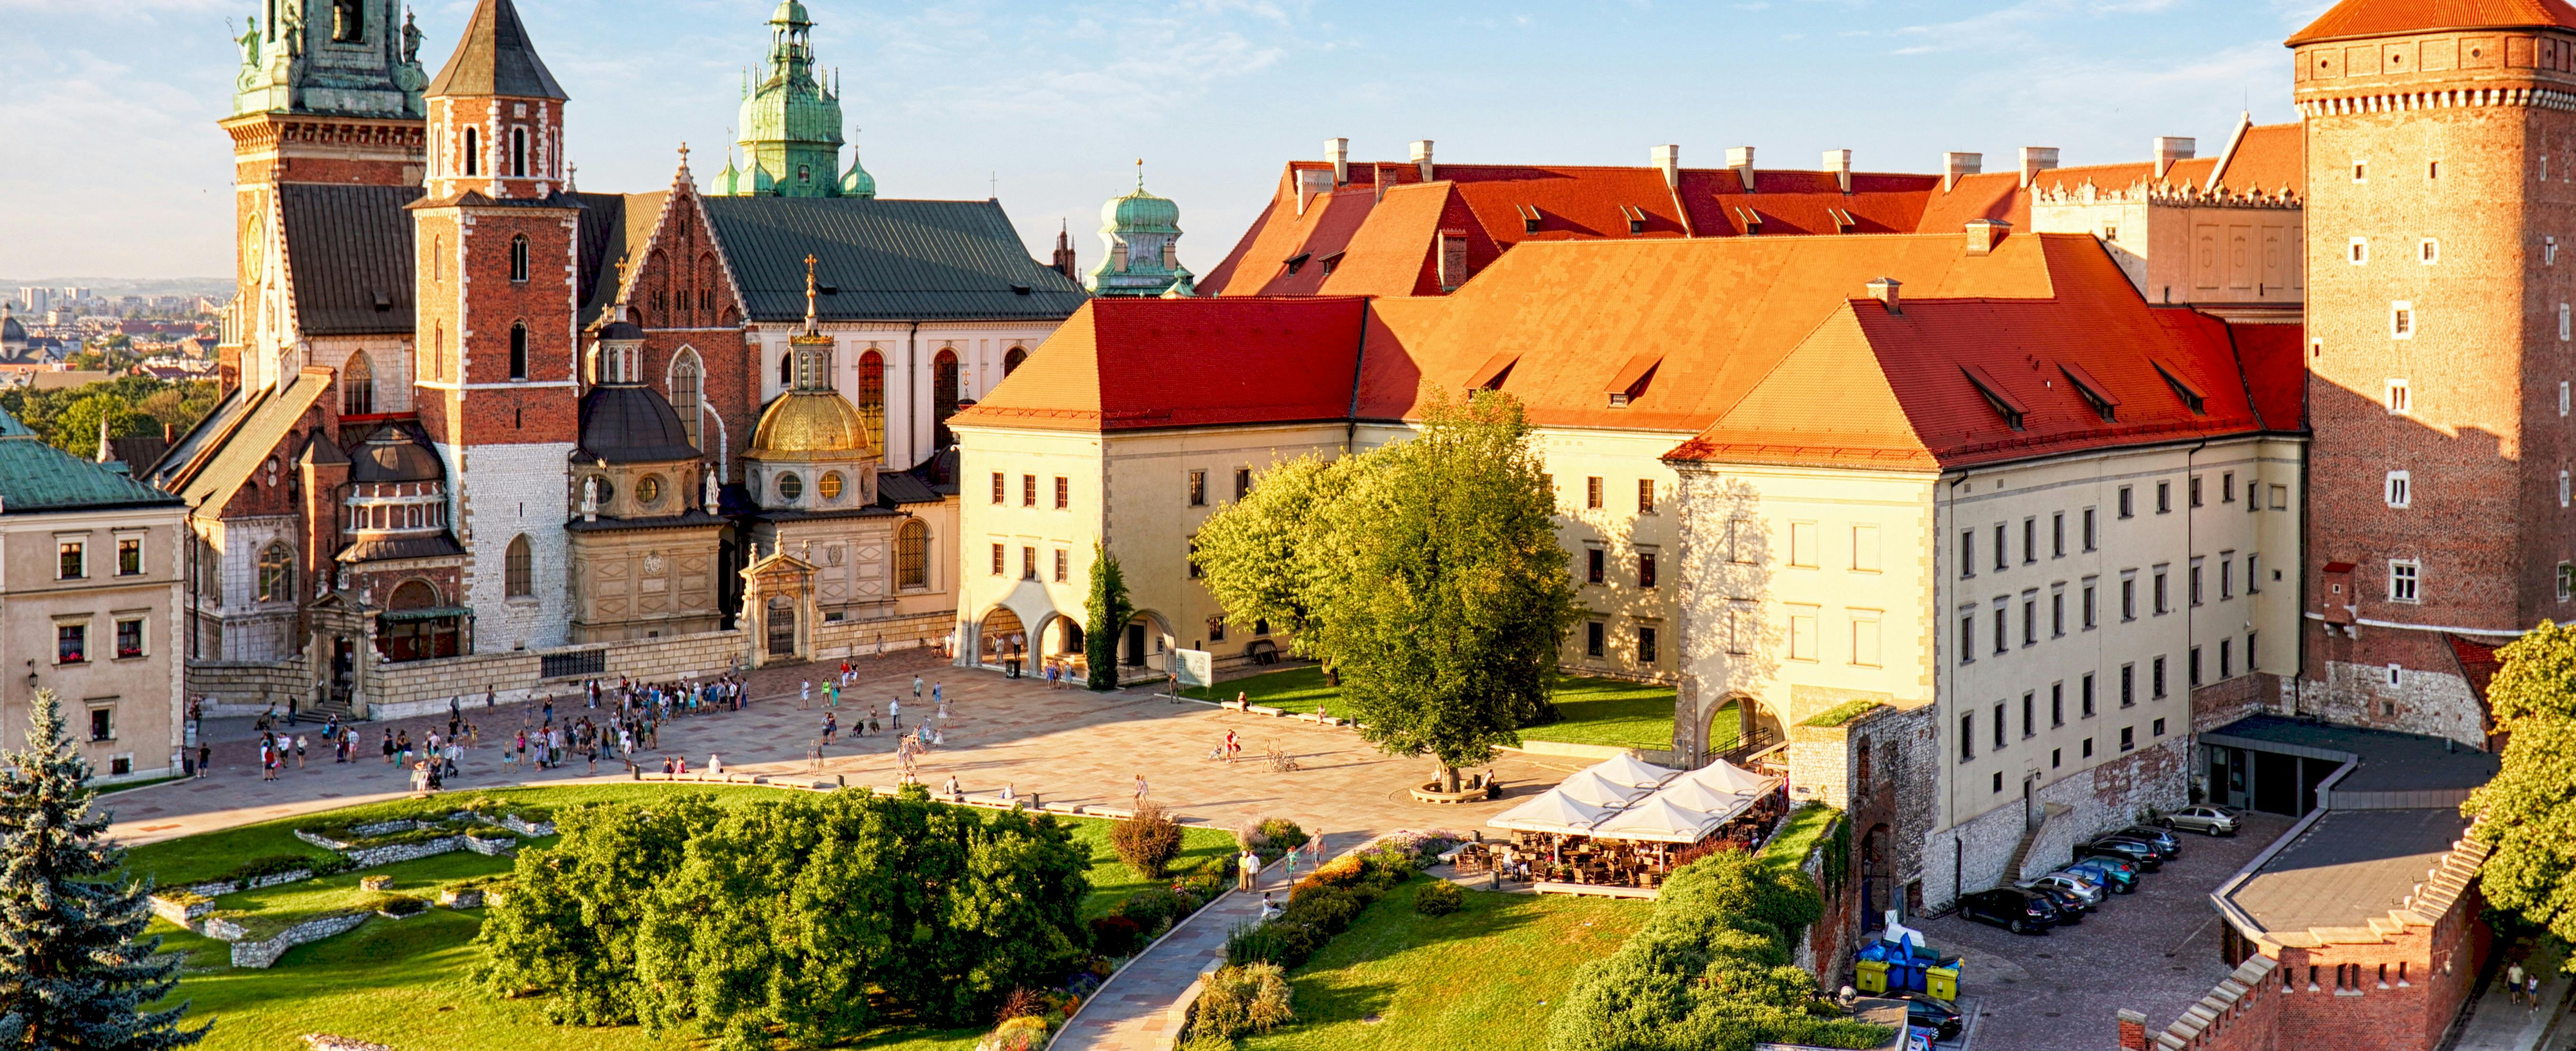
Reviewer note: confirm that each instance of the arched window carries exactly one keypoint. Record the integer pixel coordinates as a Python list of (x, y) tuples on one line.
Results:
[(687, 394), (943, 396), (276, 573), (1011, 361), (473, 152), (786, 374), (872, 399), (413, 594), (348, 25), (516, 576), (519, 258), (438, 259), (519, 351), (519, 152), (912, 555), (357, 386), (438, 352), (804, 173)]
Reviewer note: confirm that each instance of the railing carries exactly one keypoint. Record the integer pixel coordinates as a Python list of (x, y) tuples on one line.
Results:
[(1762, 739)]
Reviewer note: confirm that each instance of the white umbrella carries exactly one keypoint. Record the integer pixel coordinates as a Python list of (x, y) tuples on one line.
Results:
[(1550, 811), (1694, 795), (1629, 770), (1727, 777), (1590, 787), (1657, 820)]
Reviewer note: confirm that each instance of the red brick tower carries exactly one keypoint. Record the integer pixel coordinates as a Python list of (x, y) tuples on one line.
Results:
[(2440, 158), (498, 282)]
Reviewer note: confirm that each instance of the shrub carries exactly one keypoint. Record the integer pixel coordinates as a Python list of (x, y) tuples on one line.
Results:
[(1250, 998), (273, 865), (1343, 871), (1022, 1003), (1204, 887), (1151, 908), (1278, 836), (1207, 1042), (1270, 942), (1439, 899), (1328, 908), (395, 904), (1116, 936), (1024, 1033), (1147, 841)]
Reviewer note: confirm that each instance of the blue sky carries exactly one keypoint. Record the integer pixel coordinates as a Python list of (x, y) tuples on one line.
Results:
[(116, 167)]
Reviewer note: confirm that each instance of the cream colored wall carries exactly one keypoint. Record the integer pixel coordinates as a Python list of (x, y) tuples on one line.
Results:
[(981, 523), (2189, 253), (143, 691), (1974, 682)]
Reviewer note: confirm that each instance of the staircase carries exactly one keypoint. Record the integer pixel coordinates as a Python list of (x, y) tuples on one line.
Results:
[(2021, 854)]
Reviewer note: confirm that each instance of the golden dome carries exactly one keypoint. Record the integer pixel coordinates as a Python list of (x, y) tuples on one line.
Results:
[(810, 425)]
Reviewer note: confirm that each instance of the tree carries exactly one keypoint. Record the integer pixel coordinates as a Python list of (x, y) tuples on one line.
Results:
[(1426, 574), (568, 927), (76, 970), (1109, 610), (2530, 806)]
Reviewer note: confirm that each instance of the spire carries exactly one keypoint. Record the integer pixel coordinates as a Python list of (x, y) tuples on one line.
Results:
[(1140, 175), (495, 57), (810, 326)]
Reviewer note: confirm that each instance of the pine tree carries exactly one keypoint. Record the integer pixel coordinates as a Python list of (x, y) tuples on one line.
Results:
[(1109, 612), (75, 969)]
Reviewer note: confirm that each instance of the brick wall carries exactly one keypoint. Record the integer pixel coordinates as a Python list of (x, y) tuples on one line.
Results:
[(2225, 702)]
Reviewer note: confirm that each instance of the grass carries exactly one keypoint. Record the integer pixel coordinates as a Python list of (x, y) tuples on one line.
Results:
[(145, 783), (1806, 825), (407, 982), (1485, 976), (1612, 712), (1842, 713)]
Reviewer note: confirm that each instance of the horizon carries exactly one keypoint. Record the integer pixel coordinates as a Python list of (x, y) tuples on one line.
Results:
[(1214, 95)]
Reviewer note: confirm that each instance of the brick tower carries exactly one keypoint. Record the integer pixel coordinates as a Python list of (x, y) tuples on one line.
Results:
[(2440, 158), (328, 91), (497, 281)]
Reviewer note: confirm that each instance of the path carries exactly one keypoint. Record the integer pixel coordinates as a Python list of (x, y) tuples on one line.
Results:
[(2499, 1023), (1134, 1010)]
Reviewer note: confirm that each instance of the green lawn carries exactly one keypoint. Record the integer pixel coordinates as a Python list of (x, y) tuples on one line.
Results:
[(405, 982), (1486, 976), (1808, 823), (1612, 712)]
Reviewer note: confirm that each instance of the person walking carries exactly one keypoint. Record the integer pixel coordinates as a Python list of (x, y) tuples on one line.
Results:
[(916, 687), (1233, 745), (831, 726), (2531, 989), (894, 712), (1140, 789), (389, 746), (299, 751), (2513, 982)]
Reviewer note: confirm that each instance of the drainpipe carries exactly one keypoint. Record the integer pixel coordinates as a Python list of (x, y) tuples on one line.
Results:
[(1944, 519), (911, 388), (2190, 550)]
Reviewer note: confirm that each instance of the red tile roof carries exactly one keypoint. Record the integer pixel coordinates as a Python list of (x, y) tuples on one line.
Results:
[(2269, 158), (2273, 360), (1134, 364), (2478, 663), (2368, 18)]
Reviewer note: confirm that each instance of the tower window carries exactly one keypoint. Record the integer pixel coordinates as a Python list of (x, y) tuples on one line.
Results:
[(805, 173), (2429, 250), (2399, 400), (2401, 320), (519, 258), (519, 351), (519, 152), (2400, 489), (516, 574), (2361, 171), (473, 152), (2432, 169), (348, 23), (2404, 579), (2358, 251)]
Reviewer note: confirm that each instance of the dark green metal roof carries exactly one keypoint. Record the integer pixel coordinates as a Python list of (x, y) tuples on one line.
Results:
[(886, 260), (36, 477)]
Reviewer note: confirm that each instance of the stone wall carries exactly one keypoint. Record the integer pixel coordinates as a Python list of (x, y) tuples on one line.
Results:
[(246, 687), (418, 688), (183, 913), (2243, 1013), (1974, 854), (370, 857), (860, 638), (2225, 702), (265, 953), (2437, 703)]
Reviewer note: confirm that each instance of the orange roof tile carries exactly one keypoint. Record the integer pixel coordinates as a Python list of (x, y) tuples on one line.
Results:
[(2270, 158), (1991, 195), (2368, 18), (1135, 364), (1393, 253)]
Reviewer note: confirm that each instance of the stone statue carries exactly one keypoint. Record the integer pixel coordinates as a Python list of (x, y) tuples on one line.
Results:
[(590, 499), (290, 28), (711, 490), (410, 38), (249, 43)]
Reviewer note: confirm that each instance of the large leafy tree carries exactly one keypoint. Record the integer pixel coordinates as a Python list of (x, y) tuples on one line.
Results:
[(569, 925), (76, 970), (1426, 574), (1108, 611), (2530, 807)]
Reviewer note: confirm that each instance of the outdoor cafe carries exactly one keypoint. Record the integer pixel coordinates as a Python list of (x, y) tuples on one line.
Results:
[(1621, 826)]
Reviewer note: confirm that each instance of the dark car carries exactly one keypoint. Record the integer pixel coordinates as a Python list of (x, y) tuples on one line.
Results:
[(2070, 905), (1924, 1012), (2115, 873), (2161, 839), (2129, 850), (2012, 908)]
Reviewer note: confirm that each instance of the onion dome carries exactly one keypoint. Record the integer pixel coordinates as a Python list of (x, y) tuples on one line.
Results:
[(10, 330), (395, 454), (627, 423), (811, 421), (1141, 212)]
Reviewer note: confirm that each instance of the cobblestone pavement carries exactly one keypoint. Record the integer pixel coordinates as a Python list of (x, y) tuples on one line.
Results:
[(1134, 1011), (1067, 745), (2155, 951)]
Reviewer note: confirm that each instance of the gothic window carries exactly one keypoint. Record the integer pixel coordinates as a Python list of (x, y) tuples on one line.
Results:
[(912, 555), (519, 351), (786, 375), (438, 259), (519, 258), (519, 152), (438, 352), (872, 399), (515, 572), (473, 152), (348, 24), (1011, 361), (943, 396), (687, 393), (357, 386), (276, 582)]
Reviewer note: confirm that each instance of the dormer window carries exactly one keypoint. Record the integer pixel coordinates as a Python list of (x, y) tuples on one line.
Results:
[(1751, 220), (2095, 394), (1529, 217), (1298, 262), (2004, 404), (2184, 389), (1630, 382), (1636, 218)]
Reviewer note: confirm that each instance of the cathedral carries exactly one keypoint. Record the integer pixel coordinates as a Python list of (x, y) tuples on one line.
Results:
[(482, 429)]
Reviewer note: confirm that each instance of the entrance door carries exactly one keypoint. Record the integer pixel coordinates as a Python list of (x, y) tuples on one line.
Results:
[(782, 627), (1136, 645), (2029, 805), (2276, 783)]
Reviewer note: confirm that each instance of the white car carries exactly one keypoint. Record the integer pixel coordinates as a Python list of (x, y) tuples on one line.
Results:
[(2085, 891), (2212, 820)]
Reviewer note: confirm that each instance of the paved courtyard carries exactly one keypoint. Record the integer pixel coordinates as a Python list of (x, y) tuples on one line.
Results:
[(1066, 745), (2155, 952)]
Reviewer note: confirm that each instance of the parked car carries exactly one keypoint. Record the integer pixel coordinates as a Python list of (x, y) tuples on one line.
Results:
[(1923, 1012), (2161, 839), (2012, 908), (2115, 875), (2088, 894), (2205, 819), (2070, 907), (2125, 849)]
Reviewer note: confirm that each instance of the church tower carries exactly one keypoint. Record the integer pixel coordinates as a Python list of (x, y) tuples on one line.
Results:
[(791, 124), (1141, 235), (2441, 192), (497, 279), (328, 92)]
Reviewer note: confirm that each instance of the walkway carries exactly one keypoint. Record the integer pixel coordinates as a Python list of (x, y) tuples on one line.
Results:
[(2498, 1023), (1135, 1010)]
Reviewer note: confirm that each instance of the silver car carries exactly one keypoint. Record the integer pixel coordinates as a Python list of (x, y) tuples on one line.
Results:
[(2085, 891), (2212, 820)]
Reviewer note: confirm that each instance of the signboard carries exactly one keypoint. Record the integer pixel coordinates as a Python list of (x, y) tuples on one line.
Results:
[(1194, 667)]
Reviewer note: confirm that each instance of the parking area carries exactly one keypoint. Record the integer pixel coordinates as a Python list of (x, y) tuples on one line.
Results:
[(2155, 951)]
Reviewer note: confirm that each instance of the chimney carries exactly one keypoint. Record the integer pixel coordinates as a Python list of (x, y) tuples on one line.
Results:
[(1667, 158), (1338, 152), (1839, 163), (1885, 290), (1954, 165), (2133, 1030), (2171, 148), (1422, 157), (1985, 234), (2034, 160), (1311, 183), (1740, 158)]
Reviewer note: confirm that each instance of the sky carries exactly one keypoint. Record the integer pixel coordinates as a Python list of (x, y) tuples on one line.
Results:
[(118, 170)]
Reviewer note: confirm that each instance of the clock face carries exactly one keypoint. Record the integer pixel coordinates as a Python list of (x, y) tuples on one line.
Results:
[(649, 491), (254, 246)]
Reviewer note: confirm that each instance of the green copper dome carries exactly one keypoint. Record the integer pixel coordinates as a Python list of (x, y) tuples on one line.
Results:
[(1141, 233), (791, 121), (1141, 212)]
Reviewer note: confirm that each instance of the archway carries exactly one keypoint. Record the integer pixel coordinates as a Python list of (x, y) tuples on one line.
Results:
[(1145, 643), (414, 626), (1877, 875), (1740, 727), (1001, 641)]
